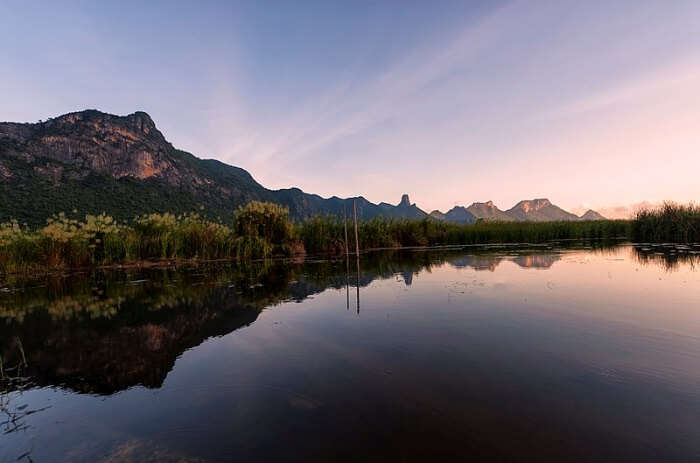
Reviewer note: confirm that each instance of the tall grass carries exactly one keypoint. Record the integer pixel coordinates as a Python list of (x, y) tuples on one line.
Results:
[(259, 230), (325, 234), (669, 223), (263, 229)]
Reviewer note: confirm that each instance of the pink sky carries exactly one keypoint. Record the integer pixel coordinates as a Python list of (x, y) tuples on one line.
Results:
[(590, 104)]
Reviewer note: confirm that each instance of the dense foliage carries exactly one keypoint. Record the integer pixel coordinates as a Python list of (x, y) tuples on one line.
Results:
[(259, 230), (29, 197)]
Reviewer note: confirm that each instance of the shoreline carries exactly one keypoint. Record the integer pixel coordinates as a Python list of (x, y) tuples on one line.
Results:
[(180, 262)]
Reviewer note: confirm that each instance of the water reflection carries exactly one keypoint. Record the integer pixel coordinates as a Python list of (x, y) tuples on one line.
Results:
[(105, 332), (110, 330), (669, 256)]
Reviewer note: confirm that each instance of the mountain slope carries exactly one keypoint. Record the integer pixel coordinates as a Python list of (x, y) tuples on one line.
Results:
[(123, 165), (489, 211), (404, 210), (592, 215), (539, 210), (437, 215), (460, 214)]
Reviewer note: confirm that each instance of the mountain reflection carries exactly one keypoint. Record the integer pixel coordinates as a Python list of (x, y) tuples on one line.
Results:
[(106, 331), (490, 262)]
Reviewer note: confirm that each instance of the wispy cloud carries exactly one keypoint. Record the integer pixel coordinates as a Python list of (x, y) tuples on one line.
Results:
[(580, 102)]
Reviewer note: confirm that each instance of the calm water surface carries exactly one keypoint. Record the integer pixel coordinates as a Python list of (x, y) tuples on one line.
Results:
[(500, 354)]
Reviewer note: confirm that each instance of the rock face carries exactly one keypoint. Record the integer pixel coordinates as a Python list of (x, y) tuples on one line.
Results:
[(123, 165), (539, 210), (403, 210), (118, 146)]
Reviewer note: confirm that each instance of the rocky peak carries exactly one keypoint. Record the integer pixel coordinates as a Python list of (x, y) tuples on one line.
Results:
[(135, 125), (488, 204), (116, 145), (405, 201), (142, 122), (534, 204)]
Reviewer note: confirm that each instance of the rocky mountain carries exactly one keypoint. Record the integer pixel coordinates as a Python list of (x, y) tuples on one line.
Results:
[(539, 210), (534, 210), (460, 214), (404, 210), (489, 211), (95, 162), (590, 214)]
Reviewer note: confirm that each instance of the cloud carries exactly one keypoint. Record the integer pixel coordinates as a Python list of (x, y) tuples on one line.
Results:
[(618, 212)]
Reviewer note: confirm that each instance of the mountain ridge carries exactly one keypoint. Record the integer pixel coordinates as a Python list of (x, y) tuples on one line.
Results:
[(123, 165)]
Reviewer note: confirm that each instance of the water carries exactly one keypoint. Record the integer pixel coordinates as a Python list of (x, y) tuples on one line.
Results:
[(500, 354)]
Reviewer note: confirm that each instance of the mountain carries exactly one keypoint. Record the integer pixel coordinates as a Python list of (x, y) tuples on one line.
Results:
[(460, 214), (592, 215), (488, 211), (539, 210), (437, 215), (95, 162), (403, 210), (535, 210)]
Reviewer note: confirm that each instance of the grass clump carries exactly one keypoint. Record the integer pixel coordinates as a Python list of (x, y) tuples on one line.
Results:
[(669, 223)]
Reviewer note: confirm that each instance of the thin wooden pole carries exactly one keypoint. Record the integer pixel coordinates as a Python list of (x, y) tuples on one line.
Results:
[(347, 260), (347, 245), (358, 283), (357, 253), (357, 242)]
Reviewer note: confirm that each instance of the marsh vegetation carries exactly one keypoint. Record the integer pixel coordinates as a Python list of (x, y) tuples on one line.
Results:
[(262, 230)]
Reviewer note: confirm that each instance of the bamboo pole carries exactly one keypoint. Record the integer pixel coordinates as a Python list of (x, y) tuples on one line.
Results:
[(347, 260), (347, 245), (357, 253), (357, 242)]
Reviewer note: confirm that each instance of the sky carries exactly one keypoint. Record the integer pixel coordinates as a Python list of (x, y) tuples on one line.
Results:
[(591, 104)]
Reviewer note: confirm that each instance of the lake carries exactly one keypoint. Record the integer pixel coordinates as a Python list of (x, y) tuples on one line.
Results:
[(513, 353)]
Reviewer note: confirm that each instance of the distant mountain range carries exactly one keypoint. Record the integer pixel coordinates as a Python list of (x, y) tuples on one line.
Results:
[(95, 162), (532, 210)]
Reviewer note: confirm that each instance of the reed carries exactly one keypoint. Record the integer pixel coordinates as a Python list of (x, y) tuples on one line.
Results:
[(325, 234), (671, 222), (261, 230)]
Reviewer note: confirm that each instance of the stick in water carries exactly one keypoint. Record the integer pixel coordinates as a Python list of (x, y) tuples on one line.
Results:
[(357, 253)]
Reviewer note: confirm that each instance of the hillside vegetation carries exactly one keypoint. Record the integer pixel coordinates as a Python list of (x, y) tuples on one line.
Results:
[(123, 165)]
